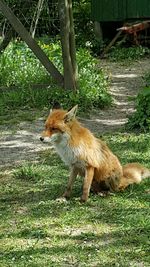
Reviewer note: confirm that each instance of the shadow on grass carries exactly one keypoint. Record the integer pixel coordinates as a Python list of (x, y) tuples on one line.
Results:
[(47, 181), (129, 146), (67, 237), (108, 249)]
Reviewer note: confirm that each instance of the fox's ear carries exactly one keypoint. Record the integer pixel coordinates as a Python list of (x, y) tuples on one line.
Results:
[(71, 114), (55, 105)]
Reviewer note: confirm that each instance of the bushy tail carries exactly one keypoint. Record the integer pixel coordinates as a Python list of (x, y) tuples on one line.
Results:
[(145, 174), (133, 173)]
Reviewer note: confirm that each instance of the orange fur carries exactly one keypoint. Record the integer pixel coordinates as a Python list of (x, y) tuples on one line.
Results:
[(133, 173), (86, 155)]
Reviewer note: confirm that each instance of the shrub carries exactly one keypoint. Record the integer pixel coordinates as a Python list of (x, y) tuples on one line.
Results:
[(141, 118), (21, 69), (128, 53)]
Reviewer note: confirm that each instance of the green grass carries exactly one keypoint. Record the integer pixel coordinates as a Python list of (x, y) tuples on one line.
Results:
[(37, 230)]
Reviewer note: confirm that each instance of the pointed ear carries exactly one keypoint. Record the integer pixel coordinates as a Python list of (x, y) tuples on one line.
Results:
[(56, 105), (71, 114)]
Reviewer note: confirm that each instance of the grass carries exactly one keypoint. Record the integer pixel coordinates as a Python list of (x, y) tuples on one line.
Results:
[(37, 230)]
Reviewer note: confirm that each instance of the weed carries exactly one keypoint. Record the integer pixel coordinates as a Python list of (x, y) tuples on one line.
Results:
[(27, 172), (20, 69), (128, 54), (141, 117)]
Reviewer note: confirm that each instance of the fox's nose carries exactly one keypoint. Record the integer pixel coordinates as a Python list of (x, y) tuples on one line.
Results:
[(42, 139)]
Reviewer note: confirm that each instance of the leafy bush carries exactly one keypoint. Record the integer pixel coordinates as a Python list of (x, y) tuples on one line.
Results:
[(20, 68), (141, 118), (128, 53), (83, 25)]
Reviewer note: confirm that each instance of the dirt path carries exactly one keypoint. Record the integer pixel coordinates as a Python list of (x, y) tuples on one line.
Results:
[(22, 144), (126, 81)]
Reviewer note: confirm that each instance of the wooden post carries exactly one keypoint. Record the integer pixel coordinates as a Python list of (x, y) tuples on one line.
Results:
[(20, 29), (111, 43)]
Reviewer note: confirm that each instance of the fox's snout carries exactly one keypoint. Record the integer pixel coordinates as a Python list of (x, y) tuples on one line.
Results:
[(44, 136)]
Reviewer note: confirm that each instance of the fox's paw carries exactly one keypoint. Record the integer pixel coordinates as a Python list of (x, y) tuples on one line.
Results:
[(61, 200), (83, 199), (66, 195), (105, 194), (121, 188)]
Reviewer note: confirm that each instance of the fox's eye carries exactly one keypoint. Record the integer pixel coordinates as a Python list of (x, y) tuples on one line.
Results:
[(53, 129)]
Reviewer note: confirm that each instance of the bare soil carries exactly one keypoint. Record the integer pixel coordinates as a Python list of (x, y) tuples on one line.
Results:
[(126, 82), (20, 143)]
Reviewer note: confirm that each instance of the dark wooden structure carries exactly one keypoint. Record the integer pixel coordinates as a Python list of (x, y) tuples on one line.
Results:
[(119, 10), (130, 17)]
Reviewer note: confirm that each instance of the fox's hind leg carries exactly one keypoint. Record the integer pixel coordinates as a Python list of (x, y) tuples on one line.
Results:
[(98, 187), (113, 183), (106, 186), (72, 177), (89, 174)]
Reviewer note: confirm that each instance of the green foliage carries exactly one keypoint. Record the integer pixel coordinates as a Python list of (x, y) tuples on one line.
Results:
[(93, 83), (147, 79), (83, 29), (20, 69), (141, 118), (128, 53), (84, 26)]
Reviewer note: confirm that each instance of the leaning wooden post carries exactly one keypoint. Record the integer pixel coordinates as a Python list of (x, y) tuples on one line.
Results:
[(20, 29)]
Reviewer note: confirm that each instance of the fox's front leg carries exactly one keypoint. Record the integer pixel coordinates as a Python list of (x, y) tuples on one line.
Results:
[(89, 174), (72, 177)]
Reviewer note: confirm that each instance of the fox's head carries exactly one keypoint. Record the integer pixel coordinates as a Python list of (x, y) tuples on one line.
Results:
[(58, 125)]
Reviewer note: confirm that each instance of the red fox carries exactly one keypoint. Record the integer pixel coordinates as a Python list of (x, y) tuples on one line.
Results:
[(88, 156)]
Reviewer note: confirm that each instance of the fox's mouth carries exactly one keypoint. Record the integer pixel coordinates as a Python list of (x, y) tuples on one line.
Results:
[(45, 139), (56, 138), (52, 139)]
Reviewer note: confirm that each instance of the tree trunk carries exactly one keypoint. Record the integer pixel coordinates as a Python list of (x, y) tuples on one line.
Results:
[(20, 29), (7, 38), (36, 17), (72, 43), (68, 56), (98, 31)]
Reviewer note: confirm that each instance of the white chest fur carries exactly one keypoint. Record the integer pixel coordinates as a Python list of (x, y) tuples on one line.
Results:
[(71, 156)]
